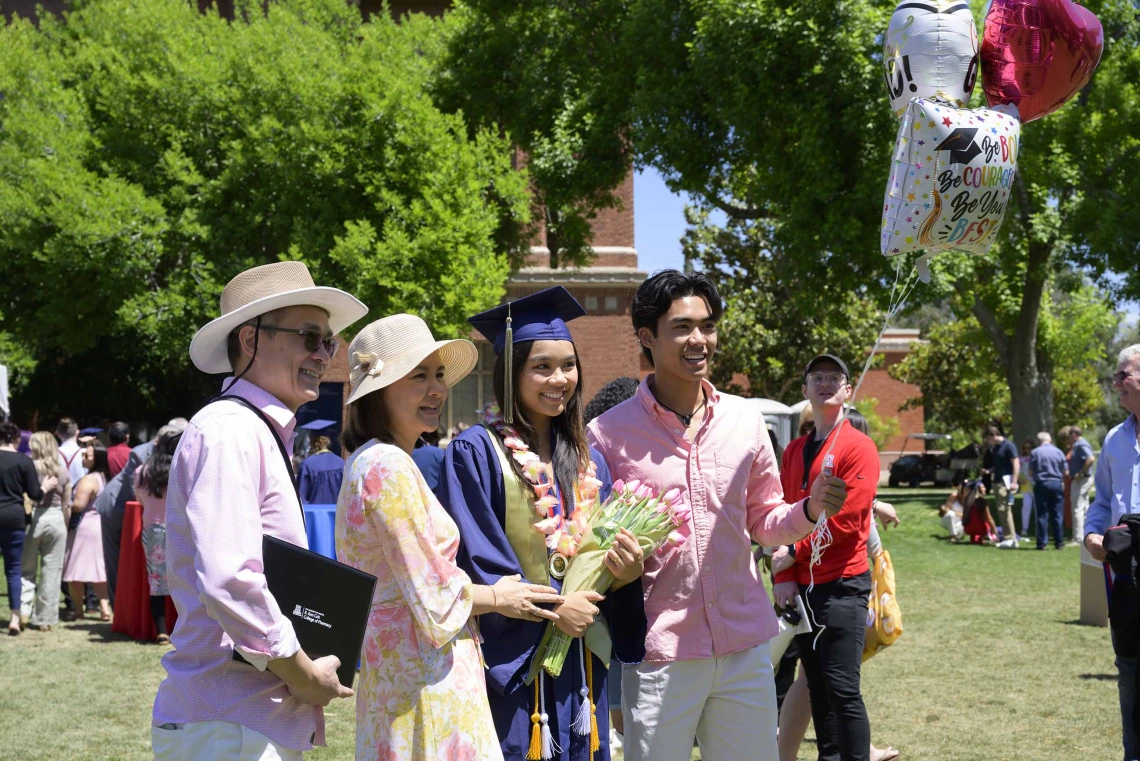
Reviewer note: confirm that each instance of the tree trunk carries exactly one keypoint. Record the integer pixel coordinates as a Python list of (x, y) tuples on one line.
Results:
[(1027, 371)]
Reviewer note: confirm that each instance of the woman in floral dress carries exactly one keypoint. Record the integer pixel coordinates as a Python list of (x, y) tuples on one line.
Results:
[(150, 488), (421, 695)]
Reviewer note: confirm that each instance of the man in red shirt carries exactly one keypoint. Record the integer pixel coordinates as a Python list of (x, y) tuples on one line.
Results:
[(119, 438), (836, 590)]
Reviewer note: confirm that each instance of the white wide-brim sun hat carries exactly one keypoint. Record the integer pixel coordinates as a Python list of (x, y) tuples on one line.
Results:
[(388, 349), (264, 289)]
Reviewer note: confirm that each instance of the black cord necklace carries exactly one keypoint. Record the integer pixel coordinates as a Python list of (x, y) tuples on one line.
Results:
[(687, 419)]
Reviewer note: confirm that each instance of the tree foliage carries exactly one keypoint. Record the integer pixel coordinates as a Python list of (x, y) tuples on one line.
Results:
[(767, 110), (963, 383), (773, 323), (149, 152), (773, 112)]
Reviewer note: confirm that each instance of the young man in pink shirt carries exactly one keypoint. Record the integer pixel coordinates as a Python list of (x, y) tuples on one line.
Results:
[(238, 684), (707, 672)]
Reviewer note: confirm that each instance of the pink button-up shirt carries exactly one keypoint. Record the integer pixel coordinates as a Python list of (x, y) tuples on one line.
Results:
[(704, 598), (229, 486)]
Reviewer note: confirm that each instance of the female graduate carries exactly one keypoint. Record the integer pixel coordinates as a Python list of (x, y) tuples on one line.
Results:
[(505, 483)]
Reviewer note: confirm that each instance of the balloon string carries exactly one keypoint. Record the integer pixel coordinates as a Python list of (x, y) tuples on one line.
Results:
[(821, 537)]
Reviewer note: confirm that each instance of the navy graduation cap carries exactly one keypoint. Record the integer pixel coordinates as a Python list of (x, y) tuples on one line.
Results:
[(540, 316)]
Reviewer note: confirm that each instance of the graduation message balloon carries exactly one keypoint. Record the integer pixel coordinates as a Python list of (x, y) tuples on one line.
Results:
[(951, 179), (930, 51)]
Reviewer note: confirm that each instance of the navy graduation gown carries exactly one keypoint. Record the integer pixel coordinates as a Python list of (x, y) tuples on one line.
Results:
[(472, 491), (429, 459), (320, 478)]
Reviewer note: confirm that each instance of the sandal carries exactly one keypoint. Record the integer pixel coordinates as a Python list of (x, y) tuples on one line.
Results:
[(885, 754), (163, 639)]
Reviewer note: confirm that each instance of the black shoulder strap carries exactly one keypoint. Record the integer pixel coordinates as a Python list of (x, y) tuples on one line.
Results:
[(280, 444)]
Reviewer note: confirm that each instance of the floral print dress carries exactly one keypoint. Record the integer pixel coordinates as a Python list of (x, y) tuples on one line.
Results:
[(422, 694)]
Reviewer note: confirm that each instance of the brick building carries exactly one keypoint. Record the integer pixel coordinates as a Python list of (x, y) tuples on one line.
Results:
[(892, 394)]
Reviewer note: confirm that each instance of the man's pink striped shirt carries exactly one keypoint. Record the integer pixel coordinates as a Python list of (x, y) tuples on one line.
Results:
[(228, 487), (704, 598)]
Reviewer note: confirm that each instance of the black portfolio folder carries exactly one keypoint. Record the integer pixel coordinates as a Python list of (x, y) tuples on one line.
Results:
[(327, 601)]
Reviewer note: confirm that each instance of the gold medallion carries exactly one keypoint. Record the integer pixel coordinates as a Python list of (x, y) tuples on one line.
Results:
[(558, 565)]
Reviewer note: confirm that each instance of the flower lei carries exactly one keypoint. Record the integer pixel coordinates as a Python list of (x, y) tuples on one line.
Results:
[(562, 535)]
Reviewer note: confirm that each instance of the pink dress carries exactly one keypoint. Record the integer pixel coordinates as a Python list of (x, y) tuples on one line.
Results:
[(421, 694), (85, 546)]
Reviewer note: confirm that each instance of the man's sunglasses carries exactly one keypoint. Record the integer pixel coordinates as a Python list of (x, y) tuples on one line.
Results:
[(314, 339), (1120, 376)]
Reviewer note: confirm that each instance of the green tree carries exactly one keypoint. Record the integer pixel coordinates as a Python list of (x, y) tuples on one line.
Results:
[(773, 112), (151, 152), (962, 379), (773, 323)]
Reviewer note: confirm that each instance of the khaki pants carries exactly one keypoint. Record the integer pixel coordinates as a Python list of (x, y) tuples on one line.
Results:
[(728, 704), (220, 740), (47, 538), (1002, 512)]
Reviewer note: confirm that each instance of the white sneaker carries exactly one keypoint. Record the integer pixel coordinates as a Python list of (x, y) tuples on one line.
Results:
[(615, 739), (1007, 544)]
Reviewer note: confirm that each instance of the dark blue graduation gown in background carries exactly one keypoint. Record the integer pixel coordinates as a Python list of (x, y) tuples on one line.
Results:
[(471, 490), (320, 478), (429, 459)]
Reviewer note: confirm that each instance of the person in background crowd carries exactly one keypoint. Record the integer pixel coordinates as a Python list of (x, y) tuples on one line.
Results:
[(150, 483), (422, 689), (321, 474), (18, 477), (1005, 471), (612, 394), (119, 447), (1117, 495), (1026, 487), (46, 537), (67, 432), (834, 591), (1081, 462), (1047, 469), (84, 562), (707, 670), (111, 503)]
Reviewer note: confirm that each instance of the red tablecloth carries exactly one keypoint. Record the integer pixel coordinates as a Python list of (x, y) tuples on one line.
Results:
[(132, 593)]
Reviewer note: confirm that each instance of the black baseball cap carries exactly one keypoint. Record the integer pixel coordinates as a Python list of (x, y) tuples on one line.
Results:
[(830, 358)]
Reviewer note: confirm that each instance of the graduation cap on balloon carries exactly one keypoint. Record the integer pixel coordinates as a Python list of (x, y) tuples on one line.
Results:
[(540, 316)]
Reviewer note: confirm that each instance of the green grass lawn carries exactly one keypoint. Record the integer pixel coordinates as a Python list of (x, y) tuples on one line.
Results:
[(991, 666)]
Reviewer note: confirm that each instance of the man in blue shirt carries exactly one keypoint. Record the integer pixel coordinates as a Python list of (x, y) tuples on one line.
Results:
[(1006, 468), (1047, 469), (1118, 492), (1081, 461)]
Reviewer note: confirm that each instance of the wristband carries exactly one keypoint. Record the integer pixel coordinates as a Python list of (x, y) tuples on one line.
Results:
[(807, 514)]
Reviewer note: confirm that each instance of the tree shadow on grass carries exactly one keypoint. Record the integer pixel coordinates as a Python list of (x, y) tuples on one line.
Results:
[(1098, 677)]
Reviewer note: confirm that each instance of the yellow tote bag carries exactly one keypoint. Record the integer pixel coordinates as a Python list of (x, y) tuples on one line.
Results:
[(884, 617)]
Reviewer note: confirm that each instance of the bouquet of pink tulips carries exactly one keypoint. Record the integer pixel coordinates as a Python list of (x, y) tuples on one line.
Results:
[(589, 533)]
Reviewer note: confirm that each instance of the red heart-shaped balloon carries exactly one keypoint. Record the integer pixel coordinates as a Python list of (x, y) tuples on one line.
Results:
[(1037, 54)]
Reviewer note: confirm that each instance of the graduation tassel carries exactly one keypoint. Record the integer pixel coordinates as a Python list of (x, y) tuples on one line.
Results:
[(534, 753), (583, 722), (508, 365), (595, 741)]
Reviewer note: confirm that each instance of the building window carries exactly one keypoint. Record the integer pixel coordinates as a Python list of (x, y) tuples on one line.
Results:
[(466, 399), (611, 303), (591, 303)]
